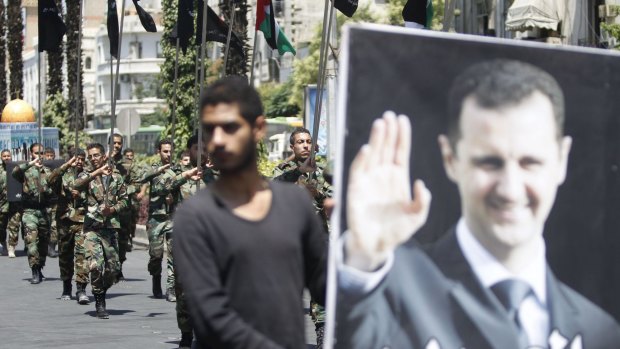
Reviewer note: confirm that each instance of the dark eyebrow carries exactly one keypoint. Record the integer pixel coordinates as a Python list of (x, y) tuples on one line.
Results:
[(488, 160)]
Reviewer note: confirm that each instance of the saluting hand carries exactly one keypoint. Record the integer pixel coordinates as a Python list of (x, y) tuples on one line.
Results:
[(381, 214), (163, 168)]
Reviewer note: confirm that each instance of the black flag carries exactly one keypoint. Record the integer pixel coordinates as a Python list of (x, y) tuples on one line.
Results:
[(51, 27), (347, 7), (198, 40), (217, 30), (418, 11), (185, 23), (145, 18), (112, 23)]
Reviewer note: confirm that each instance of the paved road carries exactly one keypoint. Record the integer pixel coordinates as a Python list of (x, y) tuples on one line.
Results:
[(33, 316)]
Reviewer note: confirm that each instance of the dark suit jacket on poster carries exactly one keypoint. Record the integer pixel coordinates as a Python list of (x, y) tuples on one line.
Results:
[(432, 299)]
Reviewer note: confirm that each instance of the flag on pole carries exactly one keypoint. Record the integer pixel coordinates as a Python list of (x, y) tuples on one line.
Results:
[(51, 27), (217, 30), (185, 24), (145, 18), (112, 24), (266, 22), (418, 13), (347, 7)]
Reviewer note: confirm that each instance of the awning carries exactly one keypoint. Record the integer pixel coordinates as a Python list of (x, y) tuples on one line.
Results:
[(529, 14)]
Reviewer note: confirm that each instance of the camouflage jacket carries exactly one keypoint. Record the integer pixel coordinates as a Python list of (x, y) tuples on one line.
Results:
[(4, 202), (69, 207), (96, 198), (37, 183), (165, 191), (315, 183), (191, 187), (133, 175)]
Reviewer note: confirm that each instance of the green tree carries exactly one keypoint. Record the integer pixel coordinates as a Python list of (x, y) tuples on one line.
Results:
[(3, 84), (54, 65), (237, 64), (55, 115), (276, 99), (75, 87), (15, 45), (185, 107)]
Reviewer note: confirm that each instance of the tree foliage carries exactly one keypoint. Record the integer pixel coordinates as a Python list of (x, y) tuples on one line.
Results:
[(276, 100), (72, 21), (15, 48), (3, 84), (55, 115)]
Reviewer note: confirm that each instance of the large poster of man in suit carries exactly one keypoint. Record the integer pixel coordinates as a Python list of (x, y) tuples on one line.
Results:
[(518, 146)]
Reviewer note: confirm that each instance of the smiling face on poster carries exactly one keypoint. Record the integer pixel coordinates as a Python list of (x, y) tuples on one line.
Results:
[(517, 144)]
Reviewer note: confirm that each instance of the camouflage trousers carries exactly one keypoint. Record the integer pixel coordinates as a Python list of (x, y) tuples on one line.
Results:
[(160, 234), (4, 221), (183, 320), (69, 260), (317, 312), (53, 228), (14, 226), (35, 226), (102, 258)]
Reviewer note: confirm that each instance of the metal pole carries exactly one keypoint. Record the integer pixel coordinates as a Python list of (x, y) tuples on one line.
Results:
[(196, 94), (253, 57), (232, 22), (174, 98), (321, 81), (78, 100), (499, 18), (118, 65), (202, 78), (448, 15), (40, 121)]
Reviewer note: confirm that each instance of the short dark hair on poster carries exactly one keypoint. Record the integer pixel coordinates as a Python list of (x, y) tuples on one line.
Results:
[(234, 90), (498, 83), (298, 130)]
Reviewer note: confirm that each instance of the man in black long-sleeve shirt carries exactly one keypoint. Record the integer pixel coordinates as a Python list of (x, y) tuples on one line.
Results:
[(245, 248)]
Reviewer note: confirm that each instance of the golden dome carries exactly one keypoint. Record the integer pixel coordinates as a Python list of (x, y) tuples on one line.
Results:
[(18, 110)]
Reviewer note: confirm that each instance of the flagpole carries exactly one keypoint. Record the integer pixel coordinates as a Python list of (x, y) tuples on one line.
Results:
[(174, 97), (118, 66), (232, 22), (196, 89), (203, 47), (253, 57), (40, 121), (322, 70), (78, 101)]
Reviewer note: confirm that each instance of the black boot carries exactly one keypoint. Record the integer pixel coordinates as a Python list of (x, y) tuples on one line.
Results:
[(100, 306), (186, 340), (80, 295), (51, 250), (66, 290), (157, 292), (36, 275), (320, 333), (41, 274), (171, 295), (120, 277)]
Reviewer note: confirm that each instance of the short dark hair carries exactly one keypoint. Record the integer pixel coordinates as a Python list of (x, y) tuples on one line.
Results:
[(77, 152), (234, 90), (34, 145), (128, 150), (50, 150), (192, 140), (96, 146), (115, 135), (5, 151), (184, 154), (298, 130), (164, 141), (499, 83)]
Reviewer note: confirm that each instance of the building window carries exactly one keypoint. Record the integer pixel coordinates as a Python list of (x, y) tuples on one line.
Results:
[(136, 50), (160, 52), (88, 63)]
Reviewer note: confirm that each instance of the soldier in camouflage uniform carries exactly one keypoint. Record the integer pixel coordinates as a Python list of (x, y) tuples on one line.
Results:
[(51, 209), (37, 181), (106, 197), (187, 190), (72, 208), (301, 171), (4, 203), (165, 195), (132, 176), (14, 216), (135, 200)]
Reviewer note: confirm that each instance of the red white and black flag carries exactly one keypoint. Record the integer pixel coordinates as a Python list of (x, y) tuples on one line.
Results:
[(112, 25), (51, 27)]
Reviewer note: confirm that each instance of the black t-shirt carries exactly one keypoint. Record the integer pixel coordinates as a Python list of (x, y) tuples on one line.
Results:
[(244, 279)]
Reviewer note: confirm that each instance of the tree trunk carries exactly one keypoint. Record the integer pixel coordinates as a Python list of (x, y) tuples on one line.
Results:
[(54, 66), (73, 22), (16, 44), (3, 84), (237, 65)]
